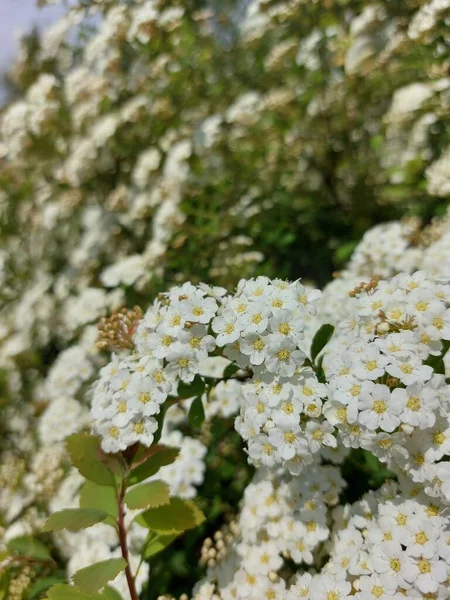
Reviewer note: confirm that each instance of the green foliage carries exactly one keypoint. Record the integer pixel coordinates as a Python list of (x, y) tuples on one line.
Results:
[(151, 461), (74, 519), (42, 585), (30, 547), (188, 390), (86, 456), (156, 544), (101, 497), (147, 495), (320, 340), (94, 577), (62, 591), (172, 518), (196, 413)]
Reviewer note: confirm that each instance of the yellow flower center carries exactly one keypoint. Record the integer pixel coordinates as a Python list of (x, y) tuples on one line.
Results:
[(284, 328), (122, 407), (289, 437), (401, 519), (421, 538), (259, 345), (438, 438), (288, 408), (144, 397), (195, 342), (413, 404), (166, 340), (377, 591), (229, 328), (424, 566), (183, 363), (371, 365), (277, 303), (198, 311), (395, 564), (283, 355), (438, 323), (432, 510), (138, 428), (114, 432), (379, 406), (422, 306), (268, 449)]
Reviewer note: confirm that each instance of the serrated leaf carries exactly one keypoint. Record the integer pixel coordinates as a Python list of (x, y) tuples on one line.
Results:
[(83, 450), (74, 519), (196, 413), (160, 457), (63, 591), (26, 545), (175, 517), (157, 544), (188, 390), (94, 577), (101, 497), (151, 494), (320, 340)]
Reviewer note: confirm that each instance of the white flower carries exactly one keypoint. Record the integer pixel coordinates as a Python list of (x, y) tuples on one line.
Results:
[(143, 396), (227, 327), (141, 430), (254, 346), (327, 587), (284, 358), (182, 362), (380, 409), (369, 364), (420, 403)]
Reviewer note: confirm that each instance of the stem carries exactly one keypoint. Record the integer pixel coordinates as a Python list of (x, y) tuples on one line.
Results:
[(123, 544)]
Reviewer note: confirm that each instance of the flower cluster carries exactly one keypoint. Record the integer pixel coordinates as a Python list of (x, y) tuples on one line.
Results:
[(386, 378)]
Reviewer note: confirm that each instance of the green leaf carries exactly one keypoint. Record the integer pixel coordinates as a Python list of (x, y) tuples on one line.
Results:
[(230, 370), (101, 497), (159, 456), (44, 584), (151, 494), (196, 413), (320, 340), (63, 591), (188, 390), (94, 577), (175, 517), (109, 593), (157, 544), (26, 545), (437, 362), (85, 451), (74, 519), (4, 584)]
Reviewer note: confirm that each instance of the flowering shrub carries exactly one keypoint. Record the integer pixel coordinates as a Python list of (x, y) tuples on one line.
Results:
[(302, 435)]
